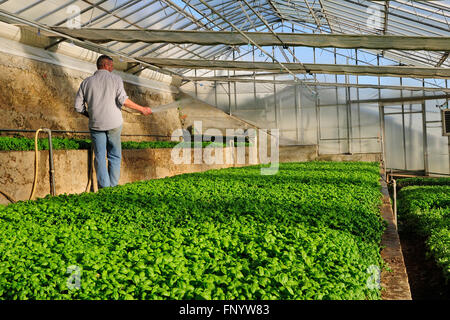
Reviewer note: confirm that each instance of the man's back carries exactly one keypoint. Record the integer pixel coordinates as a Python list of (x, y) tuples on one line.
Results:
[(105, 95)]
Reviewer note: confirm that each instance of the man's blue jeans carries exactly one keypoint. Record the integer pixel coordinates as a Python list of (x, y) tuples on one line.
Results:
[(107, 144)]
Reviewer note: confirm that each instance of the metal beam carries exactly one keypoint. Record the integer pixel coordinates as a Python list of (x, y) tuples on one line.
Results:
[(393, 101), (12, 18), (207, 37), (319, 84), (389, 71), (253, 42), (444, 57)]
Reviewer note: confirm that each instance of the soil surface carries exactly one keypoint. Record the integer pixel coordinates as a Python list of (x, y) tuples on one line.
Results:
[(425, 277)]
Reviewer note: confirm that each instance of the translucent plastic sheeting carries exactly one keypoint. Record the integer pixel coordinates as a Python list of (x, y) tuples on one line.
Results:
[(404, 151), (438, 153), (348, 127), (438, 145), (291, 109), (340, 127)]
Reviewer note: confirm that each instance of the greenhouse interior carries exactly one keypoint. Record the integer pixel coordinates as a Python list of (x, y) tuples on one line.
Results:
[(250, 150)]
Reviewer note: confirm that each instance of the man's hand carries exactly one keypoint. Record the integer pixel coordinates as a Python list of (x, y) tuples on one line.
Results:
[(146, 111), (143, 110)]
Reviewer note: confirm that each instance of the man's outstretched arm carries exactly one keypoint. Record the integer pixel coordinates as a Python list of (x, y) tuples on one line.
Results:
[(144, 110)]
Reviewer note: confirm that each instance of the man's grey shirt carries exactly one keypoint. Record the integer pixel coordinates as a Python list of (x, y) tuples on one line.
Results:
[(104, 95)]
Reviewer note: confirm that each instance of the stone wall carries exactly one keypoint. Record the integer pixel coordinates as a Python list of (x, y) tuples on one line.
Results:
[(35, 94)]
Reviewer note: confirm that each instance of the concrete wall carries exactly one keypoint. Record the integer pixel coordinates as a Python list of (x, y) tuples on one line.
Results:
[(35, 94), (310, 153), (298, 153), (210, 116), (370, 157)]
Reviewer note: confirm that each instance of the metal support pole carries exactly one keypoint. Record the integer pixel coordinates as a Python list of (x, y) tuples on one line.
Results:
[(297, 104), (275, 95), (382, 126), (403, 128), (383, 137), (234, 84), (394, 185), (337, 103), (349, 116), (359, 105), (195, 84), (254, 77), (446, 85), (301, 130), (425, 138), (229, 95), (318, 123), (215, 90), (425, 134), (296, 112)]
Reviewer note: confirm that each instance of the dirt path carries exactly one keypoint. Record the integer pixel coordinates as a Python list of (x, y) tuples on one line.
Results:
[(425, 278)]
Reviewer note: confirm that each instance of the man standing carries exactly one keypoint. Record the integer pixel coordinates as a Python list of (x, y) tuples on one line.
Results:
[(104, 95)]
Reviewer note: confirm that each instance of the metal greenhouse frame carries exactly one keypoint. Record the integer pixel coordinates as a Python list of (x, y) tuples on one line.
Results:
[(284, 64)]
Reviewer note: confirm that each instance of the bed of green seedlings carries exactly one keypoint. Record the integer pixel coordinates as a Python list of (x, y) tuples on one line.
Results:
[(309, 232), (27, 144), (425, 181), (425, 210)]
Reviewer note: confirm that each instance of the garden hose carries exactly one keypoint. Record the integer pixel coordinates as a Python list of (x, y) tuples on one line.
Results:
[(91, 174), (36, 166), (36, 163), (89, 171)]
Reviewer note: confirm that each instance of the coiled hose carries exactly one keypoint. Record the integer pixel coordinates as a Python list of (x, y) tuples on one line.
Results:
[(36, 167), (36, 163), (91, 176)]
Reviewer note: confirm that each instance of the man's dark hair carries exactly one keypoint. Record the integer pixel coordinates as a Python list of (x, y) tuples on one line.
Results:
[(102, 59)]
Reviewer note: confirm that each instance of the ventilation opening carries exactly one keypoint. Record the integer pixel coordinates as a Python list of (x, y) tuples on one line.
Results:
[(446, 122)]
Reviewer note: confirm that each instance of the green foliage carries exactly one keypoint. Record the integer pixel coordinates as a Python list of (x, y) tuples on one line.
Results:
[(426, 181), (27, 144), (309, 232), (425, 210), (167, 144), (415, 198)]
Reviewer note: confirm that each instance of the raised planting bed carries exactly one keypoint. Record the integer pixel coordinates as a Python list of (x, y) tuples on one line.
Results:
[(27, 144), (312, 231), (419, 181), (424, 211)]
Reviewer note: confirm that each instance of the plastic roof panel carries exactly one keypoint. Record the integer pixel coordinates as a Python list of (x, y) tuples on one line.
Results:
[(428, 18)]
